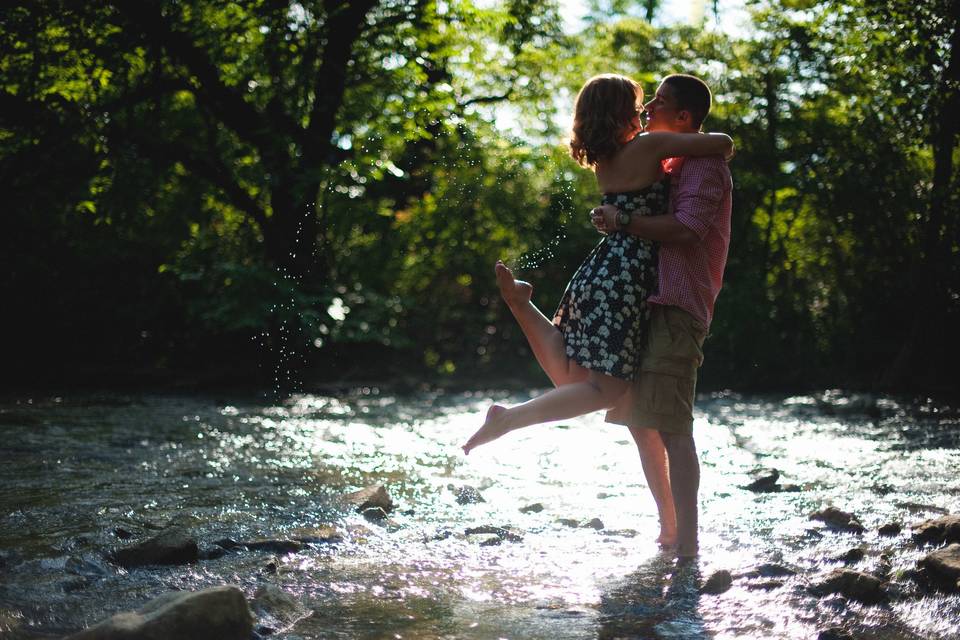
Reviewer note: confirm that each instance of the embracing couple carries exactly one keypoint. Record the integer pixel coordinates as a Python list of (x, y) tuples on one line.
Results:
[(628, 333)]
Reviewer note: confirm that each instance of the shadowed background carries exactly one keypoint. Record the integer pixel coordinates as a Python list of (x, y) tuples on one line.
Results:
[(282, 192)]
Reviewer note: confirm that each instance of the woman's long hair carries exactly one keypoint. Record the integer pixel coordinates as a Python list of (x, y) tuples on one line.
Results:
[(604, 108)]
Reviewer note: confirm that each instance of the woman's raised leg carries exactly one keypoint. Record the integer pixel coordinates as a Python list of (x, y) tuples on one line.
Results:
[(544, 338), (598, 391)]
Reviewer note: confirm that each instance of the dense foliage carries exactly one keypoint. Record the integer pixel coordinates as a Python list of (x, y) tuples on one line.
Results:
[(324, 186)]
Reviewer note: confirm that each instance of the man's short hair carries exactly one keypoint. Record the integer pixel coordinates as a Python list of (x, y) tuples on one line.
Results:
[(691, 94)]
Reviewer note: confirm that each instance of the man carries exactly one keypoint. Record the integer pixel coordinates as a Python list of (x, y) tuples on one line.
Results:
[(694, 237)]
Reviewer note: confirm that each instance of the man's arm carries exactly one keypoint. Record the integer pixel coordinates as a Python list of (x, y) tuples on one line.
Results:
[(665, 229), (698, 198)]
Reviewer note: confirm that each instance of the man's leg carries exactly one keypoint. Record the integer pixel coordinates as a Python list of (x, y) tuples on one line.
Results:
[(653, 459), (684, 483)]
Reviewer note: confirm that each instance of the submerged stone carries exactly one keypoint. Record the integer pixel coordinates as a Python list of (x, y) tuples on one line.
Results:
[(274, 546), (218, 612), (766, 585), (834, 633), (595, 523), (536, 507), (276, 608), (501, 532), (467, 494), (718, 582), (771, 570), (838, 520), (764, 481), (211, 552), (229, 544), (317, 535), (374, 514), (171, 546)]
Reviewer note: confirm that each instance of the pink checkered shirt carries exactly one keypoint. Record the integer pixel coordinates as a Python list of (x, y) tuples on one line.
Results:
[(700, 198)]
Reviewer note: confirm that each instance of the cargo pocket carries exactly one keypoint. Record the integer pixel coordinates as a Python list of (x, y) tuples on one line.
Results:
[(664, 395), (687, 336)]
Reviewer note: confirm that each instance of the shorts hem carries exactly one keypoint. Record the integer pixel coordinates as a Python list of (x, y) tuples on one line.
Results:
[(680, 425)]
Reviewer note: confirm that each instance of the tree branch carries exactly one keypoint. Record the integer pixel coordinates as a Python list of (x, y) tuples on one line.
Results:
[(345, 22), (226, 102), (486, 99)]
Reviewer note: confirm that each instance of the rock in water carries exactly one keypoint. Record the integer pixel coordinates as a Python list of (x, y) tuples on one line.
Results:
[(595, 523), (317, 535), (834, 633), (770, 570), (839, 520), (536, 507), (717, 583), (274, 546), (370, 498), (852, 556), (374, 514), (890, 529), (277, 609), (467, 494), (764, 481), (170, 546), (938, 531), (855, 585), (942, 567), (502, 534), (218, 612)]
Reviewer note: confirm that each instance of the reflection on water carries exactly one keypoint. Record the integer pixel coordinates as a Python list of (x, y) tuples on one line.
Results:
[(81, 475), (658, 600)]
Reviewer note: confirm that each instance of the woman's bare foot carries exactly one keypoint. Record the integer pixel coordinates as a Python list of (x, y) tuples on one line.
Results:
[(514, 292), (667, 537), (492, 429)]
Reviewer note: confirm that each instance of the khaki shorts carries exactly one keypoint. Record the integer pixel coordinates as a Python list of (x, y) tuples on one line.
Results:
[(662, 397)]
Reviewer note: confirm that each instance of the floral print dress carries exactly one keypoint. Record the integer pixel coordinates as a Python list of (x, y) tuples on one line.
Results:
[(603, 314)]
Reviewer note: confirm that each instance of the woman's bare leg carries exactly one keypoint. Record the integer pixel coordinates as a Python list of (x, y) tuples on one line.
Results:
[(544, 338), (598, 391)]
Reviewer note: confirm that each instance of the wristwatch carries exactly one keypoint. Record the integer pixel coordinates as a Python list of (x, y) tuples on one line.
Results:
[(623, 219)]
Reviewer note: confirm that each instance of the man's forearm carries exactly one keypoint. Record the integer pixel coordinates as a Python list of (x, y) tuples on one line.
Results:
[(665, 229)]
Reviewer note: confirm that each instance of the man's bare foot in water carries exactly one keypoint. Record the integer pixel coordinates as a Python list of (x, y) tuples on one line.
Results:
[(492, 429), (686, 551), (514, 292)]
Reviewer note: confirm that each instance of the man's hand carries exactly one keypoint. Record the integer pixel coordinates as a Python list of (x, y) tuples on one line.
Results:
[(604, 218)]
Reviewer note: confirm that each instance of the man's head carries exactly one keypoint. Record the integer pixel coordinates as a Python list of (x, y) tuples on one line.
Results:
[(681, 104)]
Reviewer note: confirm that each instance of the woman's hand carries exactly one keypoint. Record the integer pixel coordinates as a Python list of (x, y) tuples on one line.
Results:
[(604, 218)]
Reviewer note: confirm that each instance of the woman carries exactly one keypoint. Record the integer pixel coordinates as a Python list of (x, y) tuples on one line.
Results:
[(591, 349)]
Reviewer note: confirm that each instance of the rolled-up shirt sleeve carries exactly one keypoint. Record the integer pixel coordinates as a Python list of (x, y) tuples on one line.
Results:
[(701, 187)]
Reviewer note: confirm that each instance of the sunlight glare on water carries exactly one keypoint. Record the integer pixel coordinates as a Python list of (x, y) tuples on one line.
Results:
[(437, 568)]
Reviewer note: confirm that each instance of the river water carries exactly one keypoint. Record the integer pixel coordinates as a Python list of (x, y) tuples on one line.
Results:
[(79, 473)]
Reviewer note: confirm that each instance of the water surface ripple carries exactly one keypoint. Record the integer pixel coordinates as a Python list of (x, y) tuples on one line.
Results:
[(77, 474)]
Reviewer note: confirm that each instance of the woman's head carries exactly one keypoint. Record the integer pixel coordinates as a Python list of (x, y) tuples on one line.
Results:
[(605, 117)]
